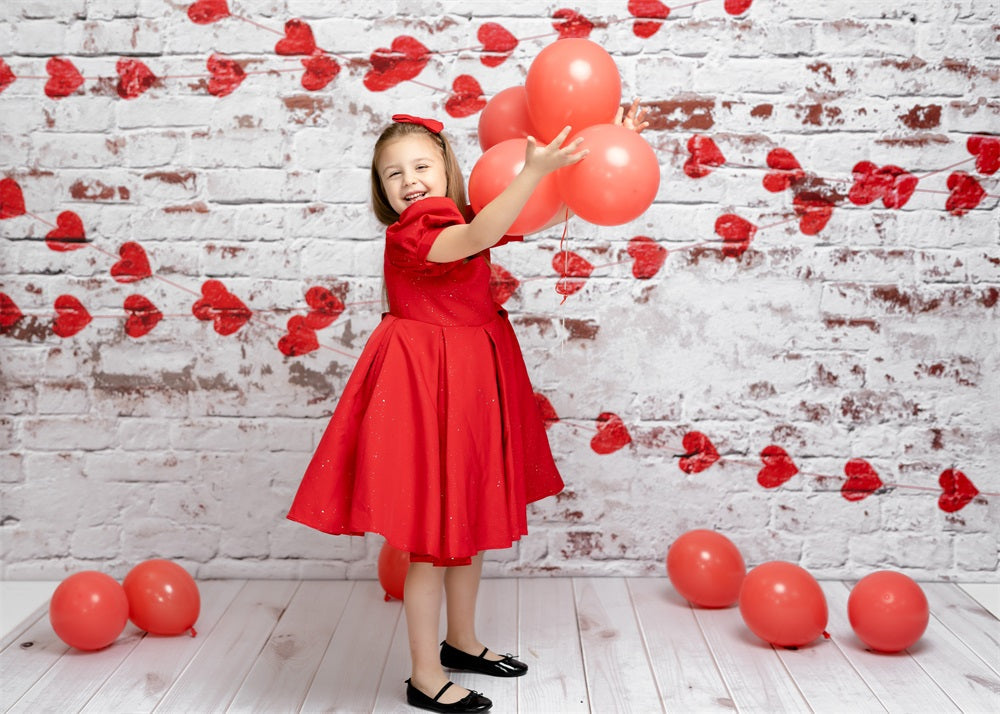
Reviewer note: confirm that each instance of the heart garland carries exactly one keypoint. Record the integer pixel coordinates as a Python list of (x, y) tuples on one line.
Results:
[(498, 44), (141, 315), (611, 435), (68, 233), (71, 316), (226, 311)]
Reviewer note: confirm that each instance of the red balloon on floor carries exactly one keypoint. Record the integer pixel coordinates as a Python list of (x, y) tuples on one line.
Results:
[(572, 82), (393, 564), (88, 610), (783, 604), (706, 568), (493, 173), (616, 182), (163, 598), (888, 611), (504, 117)]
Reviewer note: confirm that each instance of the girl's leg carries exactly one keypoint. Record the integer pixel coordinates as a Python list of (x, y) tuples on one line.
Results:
[(461, 585), (422, 604)]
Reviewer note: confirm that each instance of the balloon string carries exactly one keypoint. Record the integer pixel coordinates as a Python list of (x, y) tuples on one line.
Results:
[(562, 240)]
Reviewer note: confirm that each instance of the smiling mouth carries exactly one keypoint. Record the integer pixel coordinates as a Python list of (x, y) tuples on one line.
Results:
[(412, 197)]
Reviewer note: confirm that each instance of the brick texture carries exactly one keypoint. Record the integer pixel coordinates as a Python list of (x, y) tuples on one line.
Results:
[(861, 337)]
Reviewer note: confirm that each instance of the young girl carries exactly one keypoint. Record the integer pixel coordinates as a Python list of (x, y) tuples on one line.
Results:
[(437, 442)]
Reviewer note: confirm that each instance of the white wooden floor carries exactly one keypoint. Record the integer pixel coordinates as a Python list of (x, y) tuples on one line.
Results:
[(593, 645)]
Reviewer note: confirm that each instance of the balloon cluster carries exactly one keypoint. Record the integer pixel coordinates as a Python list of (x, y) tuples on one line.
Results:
[(784, 605), (572, 82), (89, 610)]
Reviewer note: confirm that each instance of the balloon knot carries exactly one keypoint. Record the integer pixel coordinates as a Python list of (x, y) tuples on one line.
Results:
[(826, 635), (388, 597), (194, 632)]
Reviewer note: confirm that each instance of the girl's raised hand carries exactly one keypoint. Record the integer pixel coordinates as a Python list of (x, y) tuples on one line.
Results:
[(634, 119), (553, 155)]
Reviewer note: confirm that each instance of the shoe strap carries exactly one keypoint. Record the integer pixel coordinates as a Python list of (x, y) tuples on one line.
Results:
[(482, 655), (443, 690)]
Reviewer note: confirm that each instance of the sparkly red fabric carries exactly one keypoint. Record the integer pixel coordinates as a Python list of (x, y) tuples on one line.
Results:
[(437, 442)]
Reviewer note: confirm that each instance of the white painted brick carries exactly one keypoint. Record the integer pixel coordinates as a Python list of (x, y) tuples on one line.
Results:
[(11, 467), (98, 542)]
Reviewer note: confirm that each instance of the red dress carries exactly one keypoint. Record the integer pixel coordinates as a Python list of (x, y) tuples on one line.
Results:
[(437, 442)]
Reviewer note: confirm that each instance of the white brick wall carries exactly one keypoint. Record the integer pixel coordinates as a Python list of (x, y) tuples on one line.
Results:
[(876, 339)]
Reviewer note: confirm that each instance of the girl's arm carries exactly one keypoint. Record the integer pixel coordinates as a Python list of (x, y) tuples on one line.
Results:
[(493, 221)]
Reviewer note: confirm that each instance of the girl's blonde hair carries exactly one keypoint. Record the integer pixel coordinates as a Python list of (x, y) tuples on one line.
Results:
[(456, 183)]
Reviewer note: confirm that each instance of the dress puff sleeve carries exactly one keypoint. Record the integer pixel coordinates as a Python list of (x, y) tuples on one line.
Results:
[(409, 240)]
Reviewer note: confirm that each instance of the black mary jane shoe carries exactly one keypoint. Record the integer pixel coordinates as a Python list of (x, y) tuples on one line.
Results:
[(457, 659), (471, 702)]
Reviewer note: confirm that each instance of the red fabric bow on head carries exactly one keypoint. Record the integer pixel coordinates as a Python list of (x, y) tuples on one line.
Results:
[(431, 125)]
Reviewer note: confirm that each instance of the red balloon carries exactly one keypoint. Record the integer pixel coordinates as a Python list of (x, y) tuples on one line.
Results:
[(783, 604), (163, 598), (88, 610), (888, 611), (706, 568), (616, 182), (493, 173), (393, 564), (504, 117), (572, 82)]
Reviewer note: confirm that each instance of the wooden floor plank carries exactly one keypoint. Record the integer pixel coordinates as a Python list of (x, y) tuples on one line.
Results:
[(27, 657), (284, 671), (218, 669), (688, 678), (617, 668), (965, 617), (42, 611), (550, 646), (896, 679), (144, 676), (391, 695), (348, 676), (74, 678), (750, 667)]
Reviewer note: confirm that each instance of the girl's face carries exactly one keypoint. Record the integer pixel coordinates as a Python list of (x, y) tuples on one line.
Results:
[(411, 168)]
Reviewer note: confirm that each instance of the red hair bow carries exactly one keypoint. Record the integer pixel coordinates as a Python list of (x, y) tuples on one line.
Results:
[(431, 125)]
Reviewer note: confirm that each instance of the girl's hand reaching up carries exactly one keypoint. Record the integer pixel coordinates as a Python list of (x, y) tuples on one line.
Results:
[(548, 158), (634, 119)]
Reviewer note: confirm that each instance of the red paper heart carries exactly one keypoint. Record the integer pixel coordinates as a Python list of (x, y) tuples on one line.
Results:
[(700, 453), (326, 307), (814, 211), (705, 155), (205, 12), (570, 265), (786, 170), (321, 69), (467, 98), (133, 266), (68, 233), (405, 59), (11, 199), (611, 434), (573, 24), (64, 79), (298, 39), (142, 315), (549, 416), (966, 193), (737, 7), (71, 316), (736, 232), (649, 257), (778, 467), (892, 184), (300, 339), (7, 76), (502, 284), (957, 491), (647, 9), (861, 481), (497, 41), (986, 149), (226, 75), (227, 312), (10, 313), (134, 78)]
